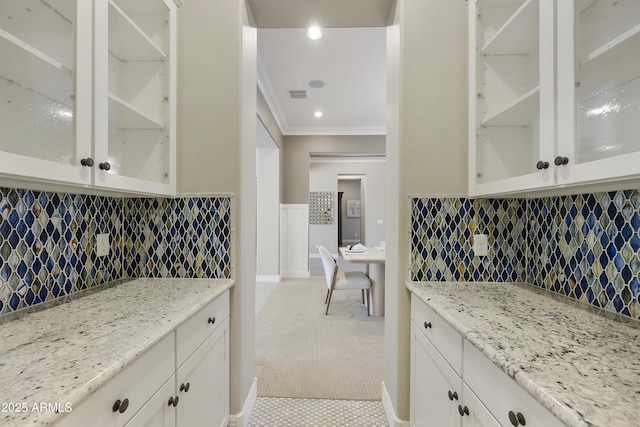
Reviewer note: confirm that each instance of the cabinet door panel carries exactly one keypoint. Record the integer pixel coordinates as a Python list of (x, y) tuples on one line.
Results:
[(45, 89), (206, 372), (431, 381), (135, 95), (157, 412), (479, 415), (598, 89), (511, 96)]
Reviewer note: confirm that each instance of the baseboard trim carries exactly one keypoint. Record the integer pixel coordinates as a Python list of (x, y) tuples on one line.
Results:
[(297, 274), (389, 411), (269, 278), (242, 418)]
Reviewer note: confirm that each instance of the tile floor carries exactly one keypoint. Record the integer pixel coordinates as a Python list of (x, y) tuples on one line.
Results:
[(288, 412)]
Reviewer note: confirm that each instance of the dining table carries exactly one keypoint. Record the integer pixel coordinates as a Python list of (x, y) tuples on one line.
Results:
[(374, 258)]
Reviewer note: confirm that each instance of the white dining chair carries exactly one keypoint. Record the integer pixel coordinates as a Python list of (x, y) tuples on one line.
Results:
[(340, 280)]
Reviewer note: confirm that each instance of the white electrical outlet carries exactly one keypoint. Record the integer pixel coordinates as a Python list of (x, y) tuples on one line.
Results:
[(480, 244), (102, 244)]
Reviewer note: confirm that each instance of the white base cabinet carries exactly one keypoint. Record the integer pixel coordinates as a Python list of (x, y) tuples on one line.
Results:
[(151, 392), (454, 385)]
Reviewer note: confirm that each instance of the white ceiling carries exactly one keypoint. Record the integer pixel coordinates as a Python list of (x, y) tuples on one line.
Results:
[(350, 58)]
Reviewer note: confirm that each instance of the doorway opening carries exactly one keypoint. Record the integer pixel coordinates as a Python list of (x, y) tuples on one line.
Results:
[(351, 209)]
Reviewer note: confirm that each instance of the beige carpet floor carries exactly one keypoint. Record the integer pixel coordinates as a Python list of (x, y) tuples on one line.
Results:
[(302, 353)]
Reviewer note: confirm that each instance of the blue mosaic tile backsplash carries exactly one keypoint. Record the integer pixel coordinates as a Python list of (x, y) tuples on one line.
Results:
[(586, 247), (47, 242), (191, 237), (442, 239)]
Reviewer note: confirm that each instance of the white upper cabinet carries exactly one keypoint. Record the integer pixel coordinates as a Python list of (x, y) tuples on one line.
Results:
[(45, 89), (553, 93), (599, 90), (87, 93), (135, 95), (511, 94)]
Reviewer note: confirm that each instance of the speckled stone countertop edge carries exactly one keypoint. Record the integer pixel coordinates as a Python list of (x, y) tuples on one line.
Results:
[(118, 364), (567, 415)]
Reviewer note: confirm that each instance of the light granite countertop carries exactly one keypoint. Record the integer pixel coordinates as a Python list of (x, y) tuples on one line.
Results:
[(581, 363), (64, 353)]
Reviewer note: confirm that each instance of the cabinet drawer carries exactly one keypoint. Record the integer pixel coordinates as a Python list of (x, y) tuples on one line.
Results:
[(137, 383), (443, 337), (195, 330), (500, 394)]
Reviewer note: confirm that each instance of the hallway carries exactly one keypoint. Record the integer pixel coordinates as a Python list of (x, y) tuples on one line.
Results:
[(286, 411)]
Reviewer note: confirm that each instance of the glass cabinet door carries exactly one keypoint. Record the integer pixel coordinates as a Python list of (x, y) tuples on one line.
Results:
[(45, 112), (135, 113), (599, 95), (513, 94)]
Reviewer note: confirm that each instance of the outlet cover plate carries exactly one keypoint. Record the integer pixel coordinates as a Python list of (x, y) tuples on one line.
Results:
[(102, 244), (480, 244)]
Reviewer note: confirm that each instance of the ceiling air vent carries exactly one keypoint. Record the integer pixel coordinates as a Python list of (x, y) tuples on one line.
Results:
[(298, 94)]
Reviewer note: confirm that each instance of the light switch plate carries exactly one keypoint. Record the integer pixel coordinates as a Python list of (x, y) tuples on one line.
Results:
[(480, 244), (102, 244)]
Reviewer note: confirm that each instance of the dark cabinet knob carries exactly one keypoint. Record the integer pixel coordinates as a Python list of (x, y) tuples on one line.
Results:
[(517, 419), (453, 395), (561, 161), (427, 325), (542, 165), (87, 162), (173, 401), (120, 406), (211, 320), (184, 387), (463, 411), (105, 166)]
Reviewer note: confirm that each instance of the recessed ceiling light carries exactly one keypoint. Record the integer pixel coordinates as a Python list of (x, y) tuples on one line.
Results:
[(317, 114), (316, 84), (314, 32)]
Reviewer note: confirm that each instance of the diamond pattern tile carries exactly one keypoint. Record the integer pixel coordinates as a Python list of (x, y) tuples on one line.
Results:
[(584, 246), (48, 240), (47, 245), (587, 247), (183, 237), (442, 232)]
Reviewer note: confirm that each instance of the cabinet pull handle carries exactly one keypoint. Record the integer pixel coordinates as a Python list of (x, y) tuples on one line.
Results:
[(173, 401), (453, 395), (561, 161), (105, 166), (542, 165), (427, 325), (184, 387), (211, 320), (463, 411), (120, 406), (87, 162), (517, 419)]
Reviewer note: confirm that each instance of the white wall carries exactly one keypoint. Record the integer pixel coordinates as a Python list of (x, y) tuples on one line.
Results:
[(323, 176), (268, 207)]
